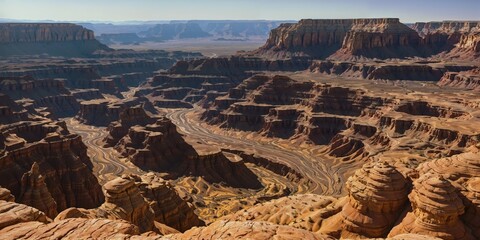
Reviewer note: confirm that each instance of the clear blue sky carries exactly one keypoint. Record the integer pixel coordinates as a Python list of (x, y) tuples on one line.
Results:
[(122, 10)]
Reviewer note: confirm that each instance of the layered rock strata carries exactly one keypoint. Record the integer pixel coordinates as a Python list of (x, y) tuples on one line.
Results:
[(159, 147), (436, 209), (14, 213), (45, 153), (469, 80), (371, 38), (75, 228), (34, 192), (146, 201), (57, 39), (377, 194), (250, 230)]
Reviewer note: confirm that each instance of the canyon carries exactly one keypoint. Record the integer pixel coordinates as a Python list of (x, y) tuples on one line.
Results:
[(333, 129)]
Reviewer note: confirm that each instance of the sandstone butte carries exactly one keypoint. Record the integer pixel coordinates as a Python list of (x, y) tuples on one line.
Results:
[(333, 129)]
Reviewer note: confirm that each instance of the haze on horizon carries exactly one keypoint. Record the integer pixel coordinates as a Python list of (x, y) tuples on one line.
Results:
[(149, 10)]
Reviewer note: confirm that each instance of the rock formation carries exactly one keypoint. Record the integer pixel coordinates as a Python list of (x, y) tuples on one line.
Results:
[(380, 38), (123, 200), (13, 213), (159, 147), (127, 118), (34, 192), (472, 205), (303, 211), (459, 39), (47, 149), (167, 205), (5, 195), (74, 228), (464, 80), (459, 168), (371, 38), (102, 112), (377, 195), (436, 209), (248, 230), (56, 39), (146, 201), (47, 97)]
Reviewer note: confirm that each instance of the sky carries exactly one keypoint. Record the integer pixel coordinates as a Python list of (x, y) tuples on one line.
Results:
[(126, 10)]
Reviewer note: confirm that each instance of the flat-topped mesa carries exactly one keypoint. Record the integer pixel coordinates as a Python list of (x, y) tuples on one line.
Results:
[(321, 38), (59, 39), (380, 34), (43, 32), (424, 28), (377, 194), (436, 209), (317, 37)]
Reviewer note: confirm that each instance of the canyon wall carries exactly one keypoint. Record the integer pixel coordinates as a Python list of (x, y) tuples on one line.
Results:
[(381, 38), (56, 39)]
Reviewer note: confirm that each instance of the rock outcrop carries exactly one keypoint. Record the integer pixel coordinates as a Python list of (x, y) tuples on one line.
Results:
[(169, 208), (47, 149), (47, 97), (371, 38), (14, 213), (469, 80), (458, 168), (436, 209), (123, 201), (34, 192), (247, 230), (56, 39), (159, 147), (75, 228), (457, 39), (102, 112), (303, 211), (377, 196), (380, 38), (5, 195), (146, 201)]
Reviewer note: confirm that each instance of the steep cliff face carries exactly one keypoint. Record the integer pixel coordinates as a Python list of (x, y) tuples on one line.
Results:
[(318, 38), (60, 158), (460, 39), (102, 112), (463, 80), (35, 192), (380, 38), (57, 39), (169, 208), (47, 97), (43, 32), (371, 38)]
